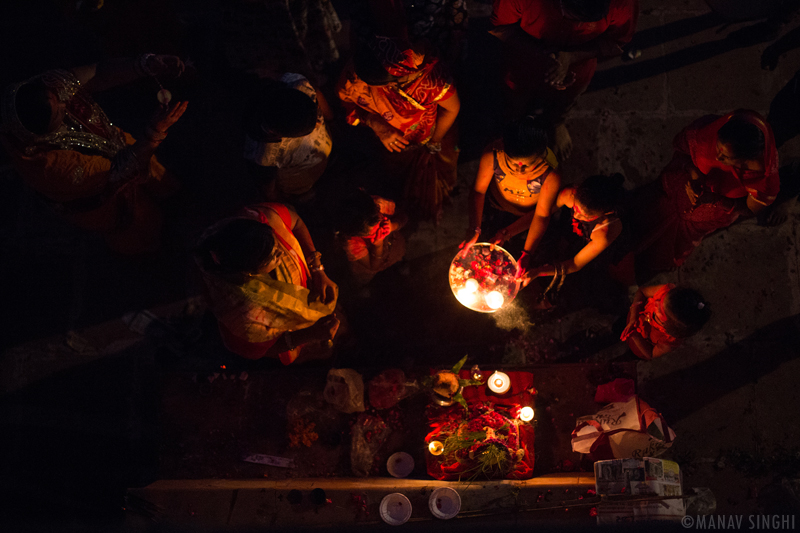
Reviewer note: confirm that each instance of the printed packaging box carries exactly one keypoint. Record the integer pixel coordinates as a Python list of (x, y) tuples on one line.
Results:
[(638, 477)]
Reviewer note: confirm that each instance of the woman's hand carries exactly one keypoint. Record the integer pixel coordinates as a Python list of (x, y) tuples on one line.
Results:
[(691, 193), (391, 137), (558, 75), (322, 287), (470, 239), (168, 66), (522, 267), (383, 231), (167, 116), (324, 330), (630, 327), (500, 237), (694, 187)]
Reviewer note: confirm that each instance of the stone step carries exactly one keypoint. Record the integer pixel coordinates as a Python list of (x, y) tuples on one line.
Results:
[(219, 503)]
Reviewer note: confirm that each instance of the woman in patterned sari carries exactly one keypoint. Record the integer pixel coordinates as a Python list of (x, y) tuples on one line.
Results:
[(406, 99), (91, 172), (266, 285)]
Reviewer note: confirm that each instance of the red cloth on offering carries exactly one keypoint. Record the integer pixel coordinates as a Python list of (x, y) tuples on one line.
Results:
[(483, 403)]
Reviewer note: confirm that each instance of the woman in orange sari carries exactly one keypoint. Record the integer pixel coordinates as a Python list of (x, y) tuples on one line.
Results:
[(266, 285), (405, 98), (723, 168), (91, 172)]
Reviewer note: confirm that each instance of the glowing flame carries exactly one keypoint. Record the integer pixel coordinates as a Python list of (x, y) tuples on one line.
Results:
[(526, 414), (495, 300), (471, 285), (499, 382), (436, 447), (466, 297)]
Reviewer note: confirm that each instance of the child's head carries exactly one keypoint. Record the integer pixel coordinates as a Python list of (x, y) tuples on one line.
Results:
[(599, 195), (686, 310), (358, 214), (525, 139), (280, 111)]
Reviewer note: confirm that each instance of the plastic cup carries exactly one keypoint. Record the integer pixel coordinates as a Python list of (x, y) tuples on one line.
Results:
[(400, 464), (395, 509), (444, 503)]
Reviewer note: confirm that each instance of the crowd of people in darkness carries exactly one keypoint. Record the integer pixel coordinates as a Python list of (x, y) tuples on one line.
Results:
[(264, 277)]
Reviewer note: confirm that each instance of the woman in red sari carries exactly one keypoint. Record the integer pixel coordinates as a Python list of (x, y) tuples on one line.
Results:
[(661, 317), (406, 98), (723, 168)]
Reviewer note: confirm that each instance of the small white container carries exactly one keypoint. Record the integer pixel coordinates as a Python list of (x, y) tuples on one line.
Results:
[(444, 503), (400, 464), (395, 509)]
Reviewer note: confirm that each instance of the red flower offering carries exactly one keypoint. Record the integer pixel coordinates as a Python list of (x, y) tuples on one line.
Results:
[(485, 279)]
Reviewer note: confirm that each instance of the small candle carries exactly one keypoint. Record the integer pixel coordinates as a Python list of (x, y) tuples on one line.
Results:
[(466, 297), (436, 447), (471, 285), (499, 382), (526, 414), (495, 300)]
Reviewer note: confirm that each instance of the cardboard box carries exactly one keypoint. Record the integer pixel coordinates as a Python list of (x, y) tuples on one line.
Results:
[(638, 477)]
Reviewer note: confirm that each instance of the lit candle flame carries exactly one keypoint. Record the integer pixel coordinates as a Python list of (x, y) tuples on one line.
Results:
[(495, 300), (436, 447), (471, 285), (466, 297), (499, 382), (526, 414)]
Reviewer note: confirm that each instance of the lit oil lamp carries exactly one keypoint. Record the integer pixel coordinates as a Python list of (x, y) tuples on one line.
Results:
[(436, 447), (484, 279), (499, 382), (526, 414)]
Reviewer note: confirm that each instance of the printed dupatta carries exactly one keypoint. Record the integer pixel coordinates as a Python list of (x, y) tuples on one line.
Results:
[(279, 305), (88, 127)]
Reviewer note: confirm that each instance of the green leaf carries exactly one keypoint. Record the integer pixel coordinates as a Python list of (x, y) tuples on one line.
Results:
[(461, 401), (458, 365)]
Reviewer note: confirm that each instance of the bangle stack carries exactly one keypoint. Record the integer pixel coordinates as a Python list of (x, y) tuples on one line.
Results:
[(315, 262), (434, 147)]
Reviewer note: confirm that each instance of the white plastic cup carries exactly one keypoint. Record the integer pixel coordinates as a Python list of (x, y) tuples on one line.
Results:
[(444, 503), (400, 464), (395, 509)]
